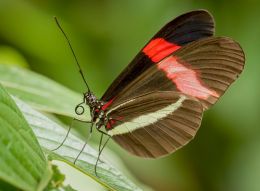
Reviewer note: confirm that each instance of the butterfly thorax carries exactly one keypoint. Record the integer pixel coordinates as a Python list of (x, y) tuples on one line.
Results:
[(98, 112)]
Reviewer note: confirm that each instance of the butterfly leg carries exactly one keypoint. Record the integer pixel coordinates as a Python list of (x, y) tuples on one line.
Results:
[(85, 143), (67, 134), (101, 148)]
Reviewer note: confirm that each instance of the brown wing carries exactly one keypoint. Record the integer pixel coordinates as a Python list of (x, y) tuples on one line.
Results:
[(156, 124)]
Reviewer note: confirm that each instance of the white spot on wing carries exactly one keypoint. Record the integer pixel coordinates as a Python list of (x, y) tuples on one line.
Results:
[(147, 119)]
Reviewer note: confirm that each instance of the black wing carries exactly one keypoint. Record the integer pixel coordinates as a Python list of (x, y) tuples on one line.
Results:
[(182, 30)]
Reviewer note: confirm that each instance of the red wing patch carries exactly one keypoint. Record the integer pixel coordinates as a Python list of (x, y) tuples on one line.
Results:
[(104, 107), (112, 122), (159, 48), (185, 79)]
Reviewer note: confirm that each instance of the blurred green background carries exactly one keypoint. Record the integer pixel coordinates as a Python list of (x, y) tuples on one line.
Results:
[(106, 35)]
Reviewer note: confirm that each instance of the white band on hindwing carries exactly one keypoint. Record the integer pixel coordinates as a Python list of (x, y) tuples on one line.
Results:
[(147, 119)]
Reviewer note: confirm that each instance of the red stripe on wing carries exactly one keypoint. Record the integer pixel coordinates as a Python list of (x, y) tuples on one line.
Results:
[(185, 79), (159, 48), (110, 124), (104, 107)]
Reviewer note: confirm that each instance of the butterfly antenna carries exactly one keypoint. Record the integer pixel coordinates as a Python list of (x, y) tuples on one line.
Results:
[(74, 55)]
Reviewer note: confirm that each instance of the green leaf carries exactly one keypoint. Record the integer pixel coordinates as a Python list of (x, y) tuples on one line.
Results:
[(68, 188), (22, 163), (8, 55), (5, 186), (56, 182), (39, 91), (51, 133)]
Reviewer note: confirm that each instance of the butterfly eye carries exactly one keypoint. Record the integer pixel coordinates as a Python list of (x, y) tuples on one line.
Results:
[(79, 109)]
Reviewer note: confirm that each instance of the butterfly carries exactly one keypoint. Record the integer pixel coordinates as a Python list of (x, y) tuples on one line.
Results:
[(155, 106)]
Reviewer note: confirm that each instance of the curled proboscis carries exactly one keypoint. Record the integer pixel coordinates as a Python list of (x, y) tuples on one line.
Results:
[(79, 109)]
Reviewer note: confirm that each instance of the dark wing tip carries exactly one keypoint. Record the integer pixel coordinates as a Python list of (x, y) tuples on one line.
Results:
[(202, 13)]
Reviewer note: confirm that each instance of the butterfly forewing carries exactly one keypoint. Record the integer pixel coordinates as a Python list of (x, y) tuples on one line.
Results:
[(180, 31)]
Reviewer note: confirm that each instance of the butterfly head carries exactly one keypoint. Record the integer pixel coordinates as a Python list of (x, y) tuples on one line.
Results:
[(91, 100)]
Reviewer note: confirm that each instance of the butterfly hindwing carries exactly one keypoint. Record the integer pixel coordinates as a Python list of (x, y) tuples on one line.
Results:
[(206, 68), (180, 31), (156, 123)]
